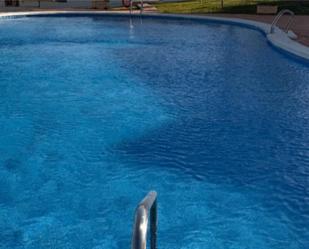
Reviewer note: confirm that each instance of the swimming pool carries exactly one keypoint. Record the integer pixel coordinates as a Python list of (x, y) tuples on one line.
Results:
[(96, 111)]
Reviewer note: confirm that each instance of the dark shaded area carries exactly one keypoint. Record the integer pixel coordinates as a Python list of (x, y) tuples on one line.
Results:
[(298, 7)]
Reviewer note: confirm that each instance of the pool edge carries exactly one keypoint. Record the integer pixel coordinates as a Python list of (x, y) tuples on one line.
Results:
[(278, 39)]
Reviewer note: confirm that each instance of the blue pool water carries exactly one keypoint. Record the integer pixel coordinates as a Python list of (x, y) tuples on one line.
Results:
[(93, 114)]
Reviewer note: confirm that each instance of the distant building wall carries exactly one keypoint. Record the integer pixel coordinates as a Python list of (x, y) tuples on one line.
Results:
[(59, 4), (51, 3), (115, 3)]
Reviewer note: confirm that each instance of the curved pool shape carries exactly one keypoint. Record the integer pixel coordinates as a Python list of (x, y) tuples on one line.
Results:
[(95, 112)]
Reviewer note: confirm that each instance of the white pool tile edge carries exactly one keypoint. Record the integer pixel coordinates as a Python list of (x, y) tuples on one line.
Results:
[(278, 39)]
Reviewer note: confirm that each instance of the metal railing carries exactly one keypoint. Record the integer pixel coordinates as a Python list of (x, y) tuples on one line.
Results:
[(140, 227), (279, 15), (136, 1)]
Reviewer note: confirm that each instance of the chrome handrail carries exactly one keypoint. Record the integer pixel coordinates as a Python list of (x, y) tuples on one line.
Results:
[(280, 14), (131, 6), (139, 236)]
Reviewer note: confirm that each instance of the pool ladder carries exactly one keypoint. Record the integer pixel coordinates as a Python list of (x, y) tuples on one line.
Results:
[(141, 7), (147, 207), (277, 18)]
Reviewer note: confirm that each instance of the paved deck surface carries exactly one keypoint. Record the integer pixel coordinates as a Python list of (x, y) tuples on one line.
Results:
[(300, 26)]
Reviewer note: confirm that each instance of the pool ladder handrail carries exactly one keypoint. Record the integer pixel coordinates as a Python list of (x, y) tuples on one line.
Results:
[(141, 8), (277, 18), (140, 227)]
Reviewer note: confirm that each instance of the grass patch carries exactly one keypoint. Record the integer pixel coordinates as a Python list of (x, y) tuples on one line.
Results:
[(230, 6)]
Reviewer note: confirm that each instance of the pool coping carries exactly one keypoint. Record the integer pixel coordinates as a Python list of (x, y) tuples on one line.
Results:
[(279, 39)]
